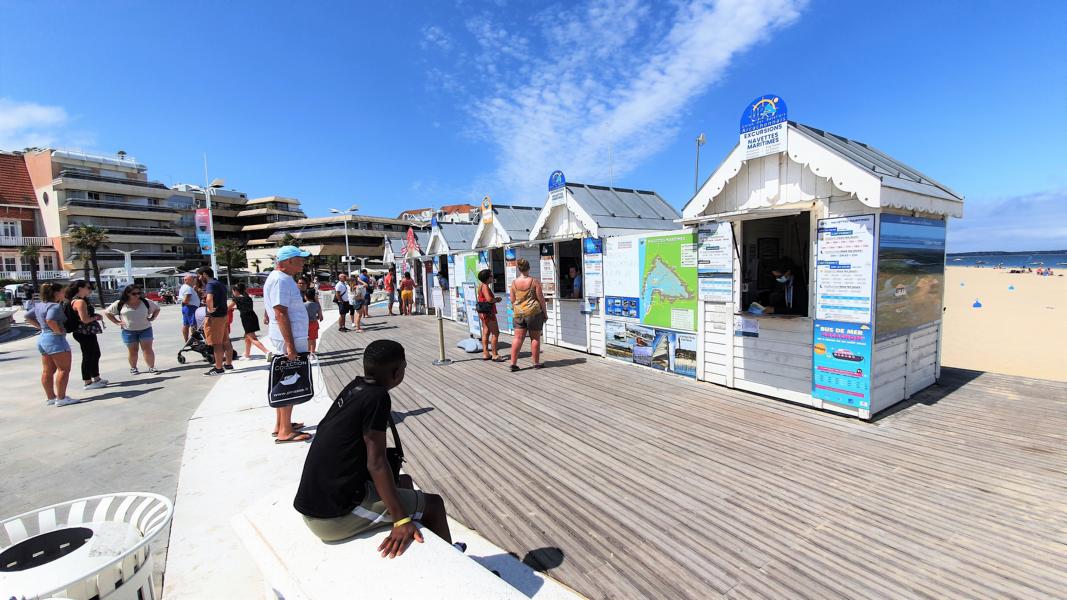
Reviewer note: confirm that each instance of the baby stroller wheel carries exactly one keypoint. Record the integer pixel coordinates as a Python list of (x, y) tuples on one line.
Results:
[(181, 359)]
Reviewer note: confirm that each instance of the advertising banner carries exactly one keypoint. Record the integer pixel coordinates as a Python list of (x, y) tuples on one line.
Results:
[(511, 268), (487, 210), (657, 348), (470, 304), (715, 248), (669, 281), (763, 126), (593, 267), (548, 270), (911, 274), (844, 269), (202, 219), (841, 363), (557, 189), (470, 268)]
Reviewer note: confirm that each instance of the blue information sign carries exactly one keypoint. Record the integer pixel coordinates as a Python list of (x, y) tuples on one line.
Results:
[(841, 363), (556, 180), (764, 111)]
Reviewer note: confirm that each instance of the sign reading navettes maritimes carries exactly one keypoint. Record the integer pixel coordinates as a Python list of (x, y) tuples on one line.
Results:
[(763, 126)]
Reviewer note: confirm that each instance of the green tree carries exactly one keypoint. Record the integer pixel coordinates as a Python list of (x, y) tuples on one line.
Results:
[(90, 239), (288, 240), (83, 255), (231, 254), (32, 253), (256, 264)]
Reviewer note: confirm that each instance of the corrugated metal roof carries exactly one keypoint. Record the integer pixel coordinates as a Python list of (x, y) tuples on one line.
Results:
[(458, 236), (892, 172), (518, 221), (397, 244), (624, 209)]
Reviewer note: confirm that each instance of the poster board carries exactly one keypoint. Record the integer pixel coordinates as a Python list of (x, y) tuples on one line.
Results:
[(715, 262), (841, 363), (652, 279), (660, 349), (548, 269), (592, 267), (470, 304), (911, 274), (844, 269)]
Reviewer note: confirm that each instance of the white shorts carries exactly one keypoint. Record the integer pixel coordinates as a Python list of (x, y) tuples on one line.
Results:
[(278, 345)]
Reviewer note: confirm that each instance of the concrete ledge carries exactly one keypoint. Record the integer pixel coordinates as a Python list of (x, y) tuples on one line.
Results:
[(298, 566)]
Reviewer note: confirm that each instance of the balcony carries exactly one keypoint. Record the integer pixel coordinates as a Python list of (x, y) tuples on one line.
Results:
[(77, 180), (77, 174), (19, 241), (41, 275), (130, 230), (118, 210)]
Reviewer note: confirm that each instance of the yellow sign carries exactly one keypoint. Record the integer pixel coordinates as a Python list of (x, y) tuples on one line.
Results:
[(487, 210)]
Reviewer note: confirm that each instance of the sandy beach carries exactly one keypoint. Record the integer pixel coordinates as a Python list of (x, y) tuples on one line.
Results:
[(1020, 327)]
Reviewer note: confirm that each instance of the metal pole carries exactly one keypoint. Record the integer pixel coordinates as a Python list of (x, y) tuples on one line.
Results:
[(210, 219), (441, 361), (696, 175), (348, 257)]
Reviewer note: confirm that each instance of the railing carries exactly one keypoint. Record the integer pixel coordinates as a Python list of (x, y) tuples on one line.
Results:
[(72, 174), (124, 230), (18, 240), (118, 205), (42, 275)]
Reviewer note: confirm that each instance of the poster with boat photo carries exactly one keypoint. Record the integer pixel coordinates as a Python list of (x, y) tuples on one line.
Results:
[(911, 274), (660, 349)]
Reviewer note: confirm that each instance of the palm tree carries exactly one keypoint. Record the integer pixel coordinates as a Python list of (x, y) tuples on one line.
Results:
[(232, 256), (89, 239), (334, 264), (288, 240), (31, 253), (83, 255), (256, 264)]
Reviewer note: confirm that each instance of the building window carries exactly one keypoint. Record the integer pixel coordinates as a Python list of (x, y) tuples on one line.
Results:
[(9, 229), (90, 195), (48, 263), (9, 264), (26, 263)]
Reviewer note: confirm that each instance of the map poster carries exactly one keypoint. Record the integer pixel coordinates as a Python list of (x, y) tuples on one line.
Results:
[(715, 248), (548, 270), (844, 269), (841, 363), (668, 279), (911, 274), (470, 268), (593, 267), (716, 287)]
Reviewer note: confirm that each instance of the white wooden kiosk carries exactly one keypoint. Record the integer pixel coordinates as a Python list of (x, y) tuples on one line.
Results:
[(569, 230), (866, 235), (450, 251), (499, 230), (399, 254)]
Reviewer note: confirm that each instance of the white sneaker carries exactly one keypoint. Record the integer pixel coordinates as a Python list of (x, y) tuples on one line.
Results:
[(101, 381), (50, 401), (66, 401), (96, 385)]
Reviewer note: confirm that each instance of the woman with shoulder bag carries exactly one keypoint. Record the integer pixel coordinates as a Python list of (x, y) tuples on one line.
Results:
[(135, 314), (84, 324), (487, 314), (528, 301)]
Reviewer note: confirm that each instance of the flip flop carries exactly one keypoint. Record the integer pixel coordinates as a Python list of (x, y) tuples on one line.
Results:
[(538, 366), (499, 358), (293, 425), (295, 437)]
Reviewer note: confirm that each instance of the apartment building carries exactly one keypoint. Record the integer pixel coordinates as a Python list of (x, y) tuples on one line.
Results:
[(21, 225), (113, 193), (458, 213), (325, 237), (417, 214)]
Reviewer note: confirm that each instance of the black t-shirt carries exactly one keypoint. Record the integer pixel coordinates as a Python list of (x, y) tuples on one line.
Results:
[(218, 290), (335, 470)]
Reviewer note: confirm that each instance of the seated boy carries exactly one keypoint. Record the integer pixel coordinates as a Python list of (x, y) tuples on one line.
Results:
[(347, 486)]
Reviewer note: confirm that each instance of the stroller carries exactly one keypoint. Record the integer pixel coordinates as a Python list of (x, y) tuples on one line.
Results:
[(198, 343)]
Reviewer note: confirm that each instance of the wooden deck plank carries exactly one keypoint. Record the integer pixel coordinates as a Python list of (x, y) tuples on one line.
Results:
[(654, 485)]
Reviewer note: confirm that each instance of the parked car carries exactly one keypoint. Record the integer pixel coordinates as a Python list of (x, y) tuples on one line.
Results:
[(255, 292)]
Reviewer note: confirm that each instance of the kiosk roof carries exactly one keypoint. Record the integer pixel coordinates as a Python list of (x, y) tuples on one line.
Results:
[(619, 211)]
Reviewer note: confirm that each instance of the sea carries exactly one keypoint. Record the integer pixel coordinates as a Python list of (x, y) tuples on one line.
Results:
[(1056, 260)]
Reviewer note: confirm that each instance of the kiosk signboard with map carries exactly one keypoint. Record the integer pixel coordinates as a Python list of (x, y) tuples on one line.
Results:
[(653, 279)]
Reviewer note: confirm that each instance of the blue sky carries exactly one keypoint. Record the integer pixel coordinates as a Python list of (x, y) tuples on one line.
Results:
[(403, 105)]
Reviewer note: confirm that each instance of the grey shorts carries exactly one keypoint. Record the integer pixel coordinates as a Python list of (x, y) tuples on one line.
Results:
[(370, 514), (531, 323)]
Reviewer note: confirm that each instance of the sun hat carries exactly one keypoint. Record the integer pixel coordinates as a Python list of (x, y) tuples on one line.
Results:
[(287, 252)]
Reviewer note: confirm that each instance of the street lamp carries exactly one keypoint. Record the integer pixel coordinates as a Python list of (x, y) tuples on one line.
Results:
[(696, 177), (348, 213), (214, 185)]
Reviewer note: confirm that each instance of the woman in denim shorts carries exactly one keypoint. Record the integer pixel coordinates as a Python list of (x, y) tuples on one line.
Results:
[(135, 314), (49, 317)]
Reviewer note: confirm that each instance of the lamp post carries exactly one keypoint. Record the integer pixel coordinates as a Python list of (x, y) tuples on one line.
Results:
[(696, 177), (347, 213)]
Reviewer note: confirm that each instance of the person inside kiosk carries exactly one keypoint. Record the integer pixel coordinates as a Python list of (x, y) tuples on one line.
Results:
[(774, 278), (570, 264)]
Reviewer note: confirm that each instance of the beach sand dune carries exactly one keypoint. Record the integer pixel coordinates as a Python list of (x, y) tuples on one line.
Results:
[(1020, 327)]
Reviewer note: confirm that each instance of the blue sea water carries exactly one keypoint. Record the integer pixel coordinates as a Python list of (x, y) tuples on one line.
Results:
[(1013, 260)]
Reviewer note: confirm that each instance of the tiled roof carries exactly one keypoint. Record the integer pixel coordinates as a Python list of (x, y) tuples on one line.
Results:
[(15, 184), (454, 208), (413, 211)]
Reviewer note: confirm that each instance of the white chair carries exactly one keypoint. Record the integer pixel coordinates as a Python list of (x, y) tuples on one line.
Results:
[(95, 547)]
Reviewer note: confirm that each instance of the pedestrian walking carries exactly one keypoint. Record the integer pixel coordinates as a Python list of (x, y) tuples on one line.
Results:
[(342, 295), (135, 313), (216, 330), (48, 316), (486, 307), (311, 303), (84, 324), (390, 287), (357, 290), (190, 301), (243, 304), (288, 330), (528, 300), (407, 293), (368, 291)]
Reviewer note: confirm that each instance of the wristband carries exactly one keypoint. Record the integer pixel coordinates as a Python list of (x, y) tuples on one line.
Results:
[(403, 521)]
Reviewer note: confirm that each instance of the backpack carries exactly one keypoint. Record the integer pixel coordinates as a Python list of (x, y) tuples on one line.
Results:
[(74, 322)]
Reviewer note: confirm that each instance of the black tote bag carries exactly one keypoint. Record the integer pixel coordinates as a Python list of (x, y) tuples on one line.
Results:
[(290, 381)]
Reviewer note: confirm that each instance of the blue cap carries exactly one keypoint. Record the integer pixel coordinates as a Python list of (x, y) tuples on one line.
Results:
[(287, 252)]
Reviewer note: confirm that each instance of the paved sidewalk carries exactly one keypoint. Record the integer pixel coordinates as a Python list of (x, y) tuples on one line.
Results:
[(128, 438)]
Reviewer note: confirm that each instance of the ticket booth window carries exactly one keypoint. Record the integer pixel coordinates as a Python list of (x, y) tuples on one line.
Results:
[(442, 271), (774, 248), (496, 264), (569, 256)]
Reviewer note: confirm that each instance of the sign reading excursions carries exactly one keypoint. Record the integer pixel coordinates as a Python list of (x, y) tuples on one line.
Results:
[(763, 126)]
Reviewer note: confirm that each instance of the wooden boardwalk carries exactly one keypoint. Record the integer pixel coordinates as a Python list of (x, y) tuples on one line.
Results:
[(624, 482)]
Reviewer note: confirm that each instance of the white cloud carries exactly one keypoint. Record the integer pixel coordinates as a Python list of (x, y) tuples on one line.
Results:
[(1028, 222), (26, 124), (435, 37), (604, 77)]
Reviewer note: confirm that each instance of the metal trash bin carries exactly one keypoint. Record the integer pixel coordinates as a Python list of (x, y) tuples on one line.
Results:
[(95, 547)]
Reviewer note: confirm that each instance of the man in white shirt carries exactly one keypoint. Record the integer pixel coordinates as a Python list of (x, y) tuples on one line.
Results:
[(288, 330), (343, 297), (190, 301)]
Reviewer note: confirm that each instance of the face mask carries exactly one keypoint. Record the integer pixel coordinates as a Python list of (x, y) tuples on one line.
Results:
[(782, 279)]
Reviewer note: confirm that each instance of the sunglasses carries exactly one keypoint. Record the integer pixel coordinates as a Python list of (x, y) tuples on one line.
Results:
[(135, 293)]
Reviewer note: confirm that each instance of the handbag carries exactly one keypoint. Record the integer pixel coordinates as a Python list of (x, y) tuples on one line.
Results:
[(290, 381), (485, 308)]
